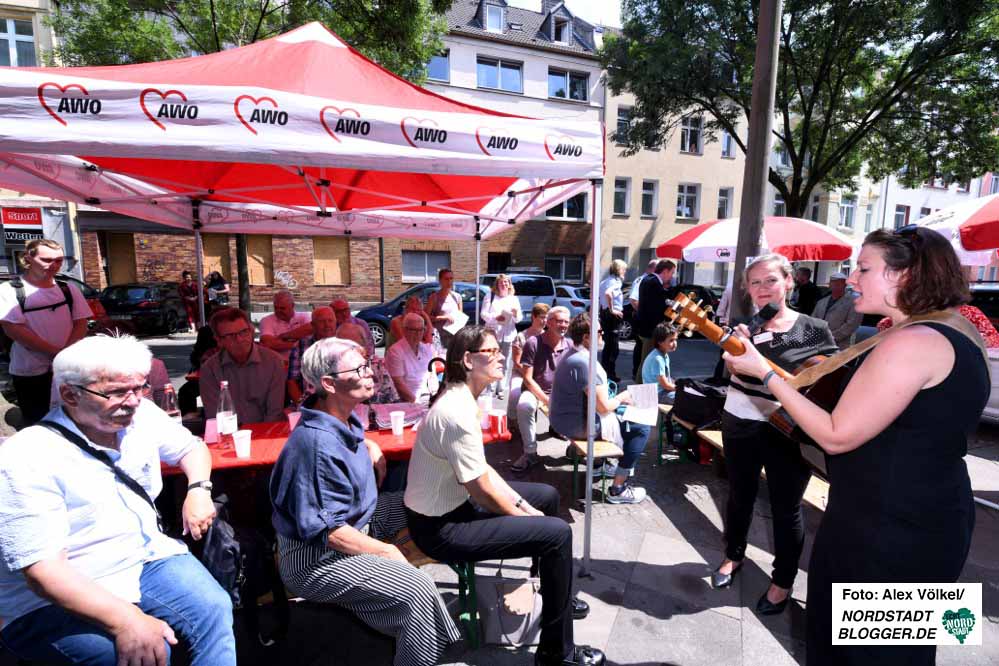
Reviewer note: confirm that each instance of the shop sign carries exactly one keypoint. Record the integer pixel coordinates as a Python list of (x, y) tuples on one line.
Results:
[(21, 224)]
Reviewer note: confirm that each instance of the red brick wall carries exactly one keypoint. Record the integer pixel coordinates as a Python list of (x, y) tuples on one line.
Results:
[(90, 255)]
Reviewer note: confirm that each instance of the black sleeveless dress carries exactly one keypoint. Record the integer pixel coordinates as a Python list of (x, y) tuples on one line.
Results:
[(900, 507)]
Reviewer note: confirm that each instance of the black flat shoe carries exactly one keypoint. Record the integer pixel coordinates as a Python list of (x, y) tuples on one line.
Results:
[(765, 607), (720, 580), (582, 655), (580, 609)]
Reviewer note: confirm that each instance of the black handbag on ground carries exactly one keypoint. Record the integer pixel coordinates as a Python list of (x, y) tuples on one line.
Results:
[(699, 403)]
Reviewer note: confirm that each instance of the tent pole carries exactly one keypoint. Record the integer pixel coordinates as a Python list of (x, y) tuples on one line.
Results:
[(199, 261), (596, 191), (478, 268)]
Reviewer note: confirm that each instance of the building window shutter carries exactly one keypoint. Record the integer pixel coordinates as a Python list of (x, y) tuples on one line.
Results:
[(260, 260), (331, 263)]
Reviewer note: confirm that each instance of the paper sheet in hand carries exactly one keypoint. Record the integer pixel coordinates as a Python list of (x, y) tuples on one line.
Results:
[(644, 404), (460, 319)]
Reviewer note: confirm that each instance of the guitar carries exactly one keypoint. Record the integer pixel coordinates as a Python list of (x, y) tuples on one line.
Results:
[(688, 316)]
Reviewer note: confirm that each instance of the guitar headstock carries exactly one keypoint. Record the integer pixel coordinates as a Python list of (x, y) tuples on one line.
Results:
[(688, 316)]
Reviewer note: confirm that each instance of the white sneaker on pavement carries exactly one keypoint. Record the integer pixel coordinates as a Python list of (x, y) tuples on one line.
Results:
[(629, 495)]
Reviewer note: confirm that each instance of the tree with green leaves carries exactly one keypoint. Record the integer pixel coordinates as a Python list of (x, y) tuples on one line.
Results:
[(907, 87), (400, 35)]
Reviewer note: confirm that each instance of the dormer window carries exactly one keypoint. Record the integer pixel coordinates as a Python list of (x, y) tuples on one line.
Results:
[(562, 31), (494, 18)]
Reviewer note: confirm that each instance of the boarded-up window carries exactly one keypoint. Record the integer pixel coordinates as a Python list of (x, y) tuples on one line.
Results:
[(331, 260), (216, 251), (121, 258), (260, 260)]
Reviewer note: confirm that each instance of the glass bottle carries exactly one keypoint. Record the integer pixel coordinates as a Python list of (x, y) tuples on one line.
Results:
[(225, 417), (168, 402)]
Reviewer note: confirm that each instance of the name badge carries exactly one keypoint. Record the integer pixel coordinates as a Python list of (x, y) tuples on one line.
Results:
[(760, 338)]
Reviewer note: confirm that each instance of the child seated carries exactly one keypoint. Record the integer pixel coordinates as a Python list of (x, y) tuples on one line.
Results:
[(655, 368)]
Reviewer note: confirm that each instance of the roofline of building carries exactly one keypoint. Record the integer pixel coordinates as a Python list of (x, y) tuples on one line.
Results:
[(538, 47)]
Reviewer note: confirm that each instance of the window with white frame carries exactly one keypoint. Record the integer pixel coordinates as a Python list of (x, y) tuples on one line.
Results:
[(619, 252), (964, 187), (568, 85), (901, 216), (439, 67), (981, 273), (500, 74), (686, 201), (994, 185), (783, 159), (562, 31), (813, 212), (725, 195), (623, 123), (570, 209), (420, 265), (622, 195), (650, 198), (925, 211), (690, 135), (780, 209), (727, 145), (568, 267), (847, 211), (868, 218), (17, 43), (494, 18)]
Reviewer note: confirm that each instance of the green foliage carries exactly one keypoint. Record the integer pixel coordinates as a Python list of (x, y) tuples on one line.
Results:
[(400, 35), (909, 86)]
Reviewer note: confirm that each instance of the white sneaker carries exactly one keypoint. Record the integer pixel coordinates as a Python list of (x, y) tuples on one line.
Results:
[(629, 495)]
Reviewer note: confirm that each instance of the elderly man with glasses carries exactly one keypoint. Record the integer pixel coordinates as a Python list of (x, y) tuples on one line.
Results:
[(88, 576), (256, 375), (407, 362)]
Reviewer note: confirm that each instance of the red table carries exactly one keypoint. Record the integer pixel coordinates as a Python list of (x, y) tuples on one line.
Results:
[(268, 439)]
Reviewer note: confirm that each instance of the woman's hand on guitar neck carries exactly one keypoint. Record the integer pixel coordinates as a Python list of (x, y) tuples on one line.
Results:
[(752, 362)]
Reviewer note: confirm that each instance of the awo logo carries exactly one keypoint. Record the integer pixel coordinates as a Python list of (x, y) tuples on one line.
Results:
[(216, 215), (74, 105), (348, 122), (723, 253), (260, 116), (561, 146), (492, 140), (50, 169), (167, 110), (423, 131)]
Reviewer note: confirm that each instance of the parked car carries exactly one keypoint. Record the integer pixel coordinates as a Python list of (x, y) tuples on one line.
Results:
[(379, 317), (530, 288), (575, 297), (704, 294), (152, 307)]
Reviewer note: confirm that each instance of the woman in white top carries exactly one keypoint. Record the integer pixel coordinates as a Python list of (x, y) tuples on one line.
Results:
[(459, 509), (500, 313)]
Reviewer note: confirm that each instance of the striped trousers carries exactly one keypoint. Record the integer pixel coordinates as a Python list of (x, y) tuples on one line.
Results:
[(391, 597)]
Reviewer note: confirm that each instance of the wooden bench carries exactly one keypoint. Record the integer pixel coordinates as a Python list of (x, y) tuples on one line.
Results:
[(601, 449)]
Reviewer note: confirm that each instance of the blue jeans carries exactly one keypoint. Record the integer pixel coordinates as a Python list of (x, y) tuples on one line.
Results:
[(635, 436), (177, 590)]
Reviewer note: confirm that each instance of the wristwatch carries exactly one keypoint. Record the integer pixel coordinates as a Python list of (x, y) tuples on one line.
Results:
[(207, 485)]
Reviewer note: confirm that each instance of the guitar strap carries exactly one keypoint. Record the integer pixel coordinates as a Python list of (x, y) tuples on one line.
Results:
[(948, 318)]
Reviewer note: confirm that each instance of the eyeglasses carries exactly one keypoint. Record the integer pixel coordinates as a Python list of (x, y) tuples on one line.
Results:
[(118, 395), (366, 367), (492, 351), (246, 332)]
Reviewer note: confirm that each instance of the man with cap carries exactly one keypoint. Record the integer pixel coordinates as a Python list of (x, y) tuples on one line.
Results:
[(837, 309), (341, 309)]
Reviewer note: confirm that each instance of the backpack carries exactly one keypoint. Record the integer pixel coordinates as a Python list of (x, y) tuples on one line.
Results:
[(67, 297), (698, 402)]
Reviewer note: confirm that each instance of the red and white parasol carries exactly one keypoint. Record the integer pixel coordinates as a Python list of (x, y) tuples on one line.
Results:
[(972, 227), (796, 239)]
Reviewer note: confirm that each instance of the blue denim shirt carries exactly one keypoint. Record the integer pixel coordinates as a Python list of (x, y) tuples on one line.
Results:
[(323, 478)]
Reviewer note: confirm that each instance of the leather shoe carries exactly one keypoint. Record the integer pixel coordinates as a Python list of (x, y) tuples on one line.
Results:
[(581, 655), (720, 580), (765, 607), (580, 609)]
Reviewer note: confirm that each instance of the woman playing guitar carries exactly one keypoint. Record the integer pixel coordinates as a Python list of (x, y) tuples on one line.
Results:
[(900, 505), (751, 444)]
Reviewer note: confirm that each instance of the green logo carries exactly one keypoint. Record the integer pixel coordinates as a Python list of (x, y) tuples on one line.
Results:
[(959, 623)]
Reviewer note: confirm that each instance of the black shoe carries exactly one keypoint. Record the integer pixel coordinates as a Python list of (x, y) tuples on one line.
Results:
[(582, 655), (765, 607), (580, 609), (720, 580)]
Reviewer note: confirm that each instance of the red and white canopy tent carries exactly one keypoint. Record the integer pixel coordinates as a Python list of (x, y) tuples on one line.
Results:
[(295, 135)]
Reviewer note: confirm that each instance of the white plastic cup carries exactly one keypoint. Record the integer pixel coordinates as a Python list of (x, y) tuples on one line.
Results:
[(242, 439), (211, 431), (398, 418), (293, 418)]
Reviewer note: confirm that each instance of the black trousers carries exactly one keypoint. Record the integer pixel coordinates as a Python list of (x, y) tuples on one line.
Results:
[(468, 534), (34, 394), (751, 446)]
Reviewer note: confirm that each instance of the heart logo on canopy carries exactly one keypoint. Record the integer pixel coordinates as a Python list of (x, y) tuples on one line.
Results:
[(50, 169), (420, 122), (163, 96), (340, 112), (564, 145), (500, 136), (216, 214), (62, 89), (256, 102)]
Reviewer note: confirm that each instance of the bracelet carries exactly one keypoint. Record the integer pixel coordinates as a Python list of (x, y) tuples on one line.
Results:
[(767, 377)]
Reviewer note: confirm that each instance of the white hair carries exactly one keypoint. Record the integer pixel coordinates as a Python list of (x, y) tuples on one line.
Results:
[(322, 359), (98, 356), (558, 309)]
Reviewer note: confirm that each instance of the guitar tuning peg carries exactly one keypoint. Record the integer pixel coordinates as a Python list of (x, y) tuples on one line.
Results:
[(687, 333), (709, 310)]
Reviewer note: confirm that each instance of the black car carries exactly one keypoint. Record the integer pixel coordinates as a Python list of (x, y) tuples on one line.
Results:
[(697, 292), (379, 317), (151, 307)]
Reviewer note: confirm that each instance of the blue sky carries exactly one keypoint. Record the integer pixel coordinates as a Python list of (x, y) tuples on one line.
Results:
[(604, 12)]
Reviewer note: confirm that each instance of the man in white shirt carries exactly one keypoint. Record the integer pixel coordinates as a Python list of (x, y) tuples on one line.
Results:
[(45, 320), (282, 330), (407, 362), (86, 575)]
